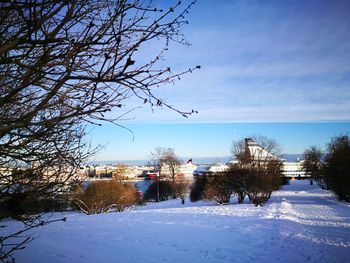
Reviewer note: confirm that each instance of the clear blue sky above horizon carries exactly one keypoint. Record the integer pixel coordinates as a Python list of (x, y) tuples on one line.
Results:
[(195, 140), (280, 67)]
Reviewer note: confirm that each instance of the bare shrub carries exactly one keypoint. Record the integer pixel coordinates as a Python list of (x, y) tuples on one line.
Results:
[(120, 173), (239, 179), (333, 171), (257, 172), (219, 189), (166, 189), (105, 196), (159, 191), (22, 201), (198, 188), (260, 188), (337, 167), (22, 206), (180, 188), (313, 164)]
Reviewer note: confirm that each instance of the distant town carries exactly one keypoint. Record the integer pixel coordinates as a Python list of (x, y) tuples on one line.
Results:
[(292, 168)]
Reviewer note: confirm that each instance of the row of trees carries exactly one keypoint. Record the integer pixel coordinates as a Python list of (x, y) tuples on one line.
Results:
[(257, 171), (256, 174), (331, 169)]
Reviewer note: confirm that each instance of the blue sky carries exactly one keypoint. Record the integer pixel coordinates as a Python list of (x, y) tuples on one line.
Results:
[(194, 140), (263, 62)]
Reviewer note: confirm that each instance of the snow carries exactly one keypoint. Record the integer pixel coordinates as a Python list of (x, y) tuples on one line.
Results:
[(300, 223)]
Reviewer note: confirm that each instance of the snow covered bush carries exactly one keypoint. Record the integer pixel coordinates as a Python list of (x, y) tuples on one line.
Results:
[(105, 196)]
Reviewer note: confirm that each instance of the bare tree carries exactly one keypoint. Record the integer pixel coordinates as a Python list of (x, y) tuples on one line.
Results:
[(313, 164), (332, 170), (120, 173), (157, 159), (64, 64), (171, 162), (218, 189), (337, 167), (166, 161), (257, 171)]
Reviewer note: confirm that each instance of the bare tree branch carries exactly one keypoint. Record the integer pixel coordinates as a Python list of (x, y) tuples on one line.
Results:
[(64, 64)]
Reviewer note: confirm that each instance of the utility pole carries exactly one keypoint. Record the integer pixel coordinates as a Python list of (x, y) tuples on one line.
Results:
[(157, 186)]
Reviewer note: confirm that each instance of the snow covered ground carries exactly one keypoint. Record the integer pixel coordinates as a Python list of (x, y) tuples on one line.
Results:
[(300, 223)]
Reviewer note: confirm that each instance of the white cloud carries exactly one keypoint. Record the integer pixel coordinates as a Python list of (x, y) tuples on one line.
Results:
[(275, 61)]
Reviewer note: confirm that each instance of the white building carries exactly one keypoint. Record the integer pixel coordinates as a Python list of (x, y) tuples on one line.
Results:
[(218, 168), (184, 170), (258, 152), (294, 170), (289, 169)]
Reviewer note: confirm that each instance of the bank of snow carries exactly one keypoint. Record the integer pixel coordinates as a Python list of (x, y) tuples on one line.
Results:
[(300, 223)]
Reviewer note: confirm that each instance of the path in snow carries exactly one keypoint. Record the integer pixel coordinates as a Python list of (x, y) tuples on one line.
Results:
[(300, 223)]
